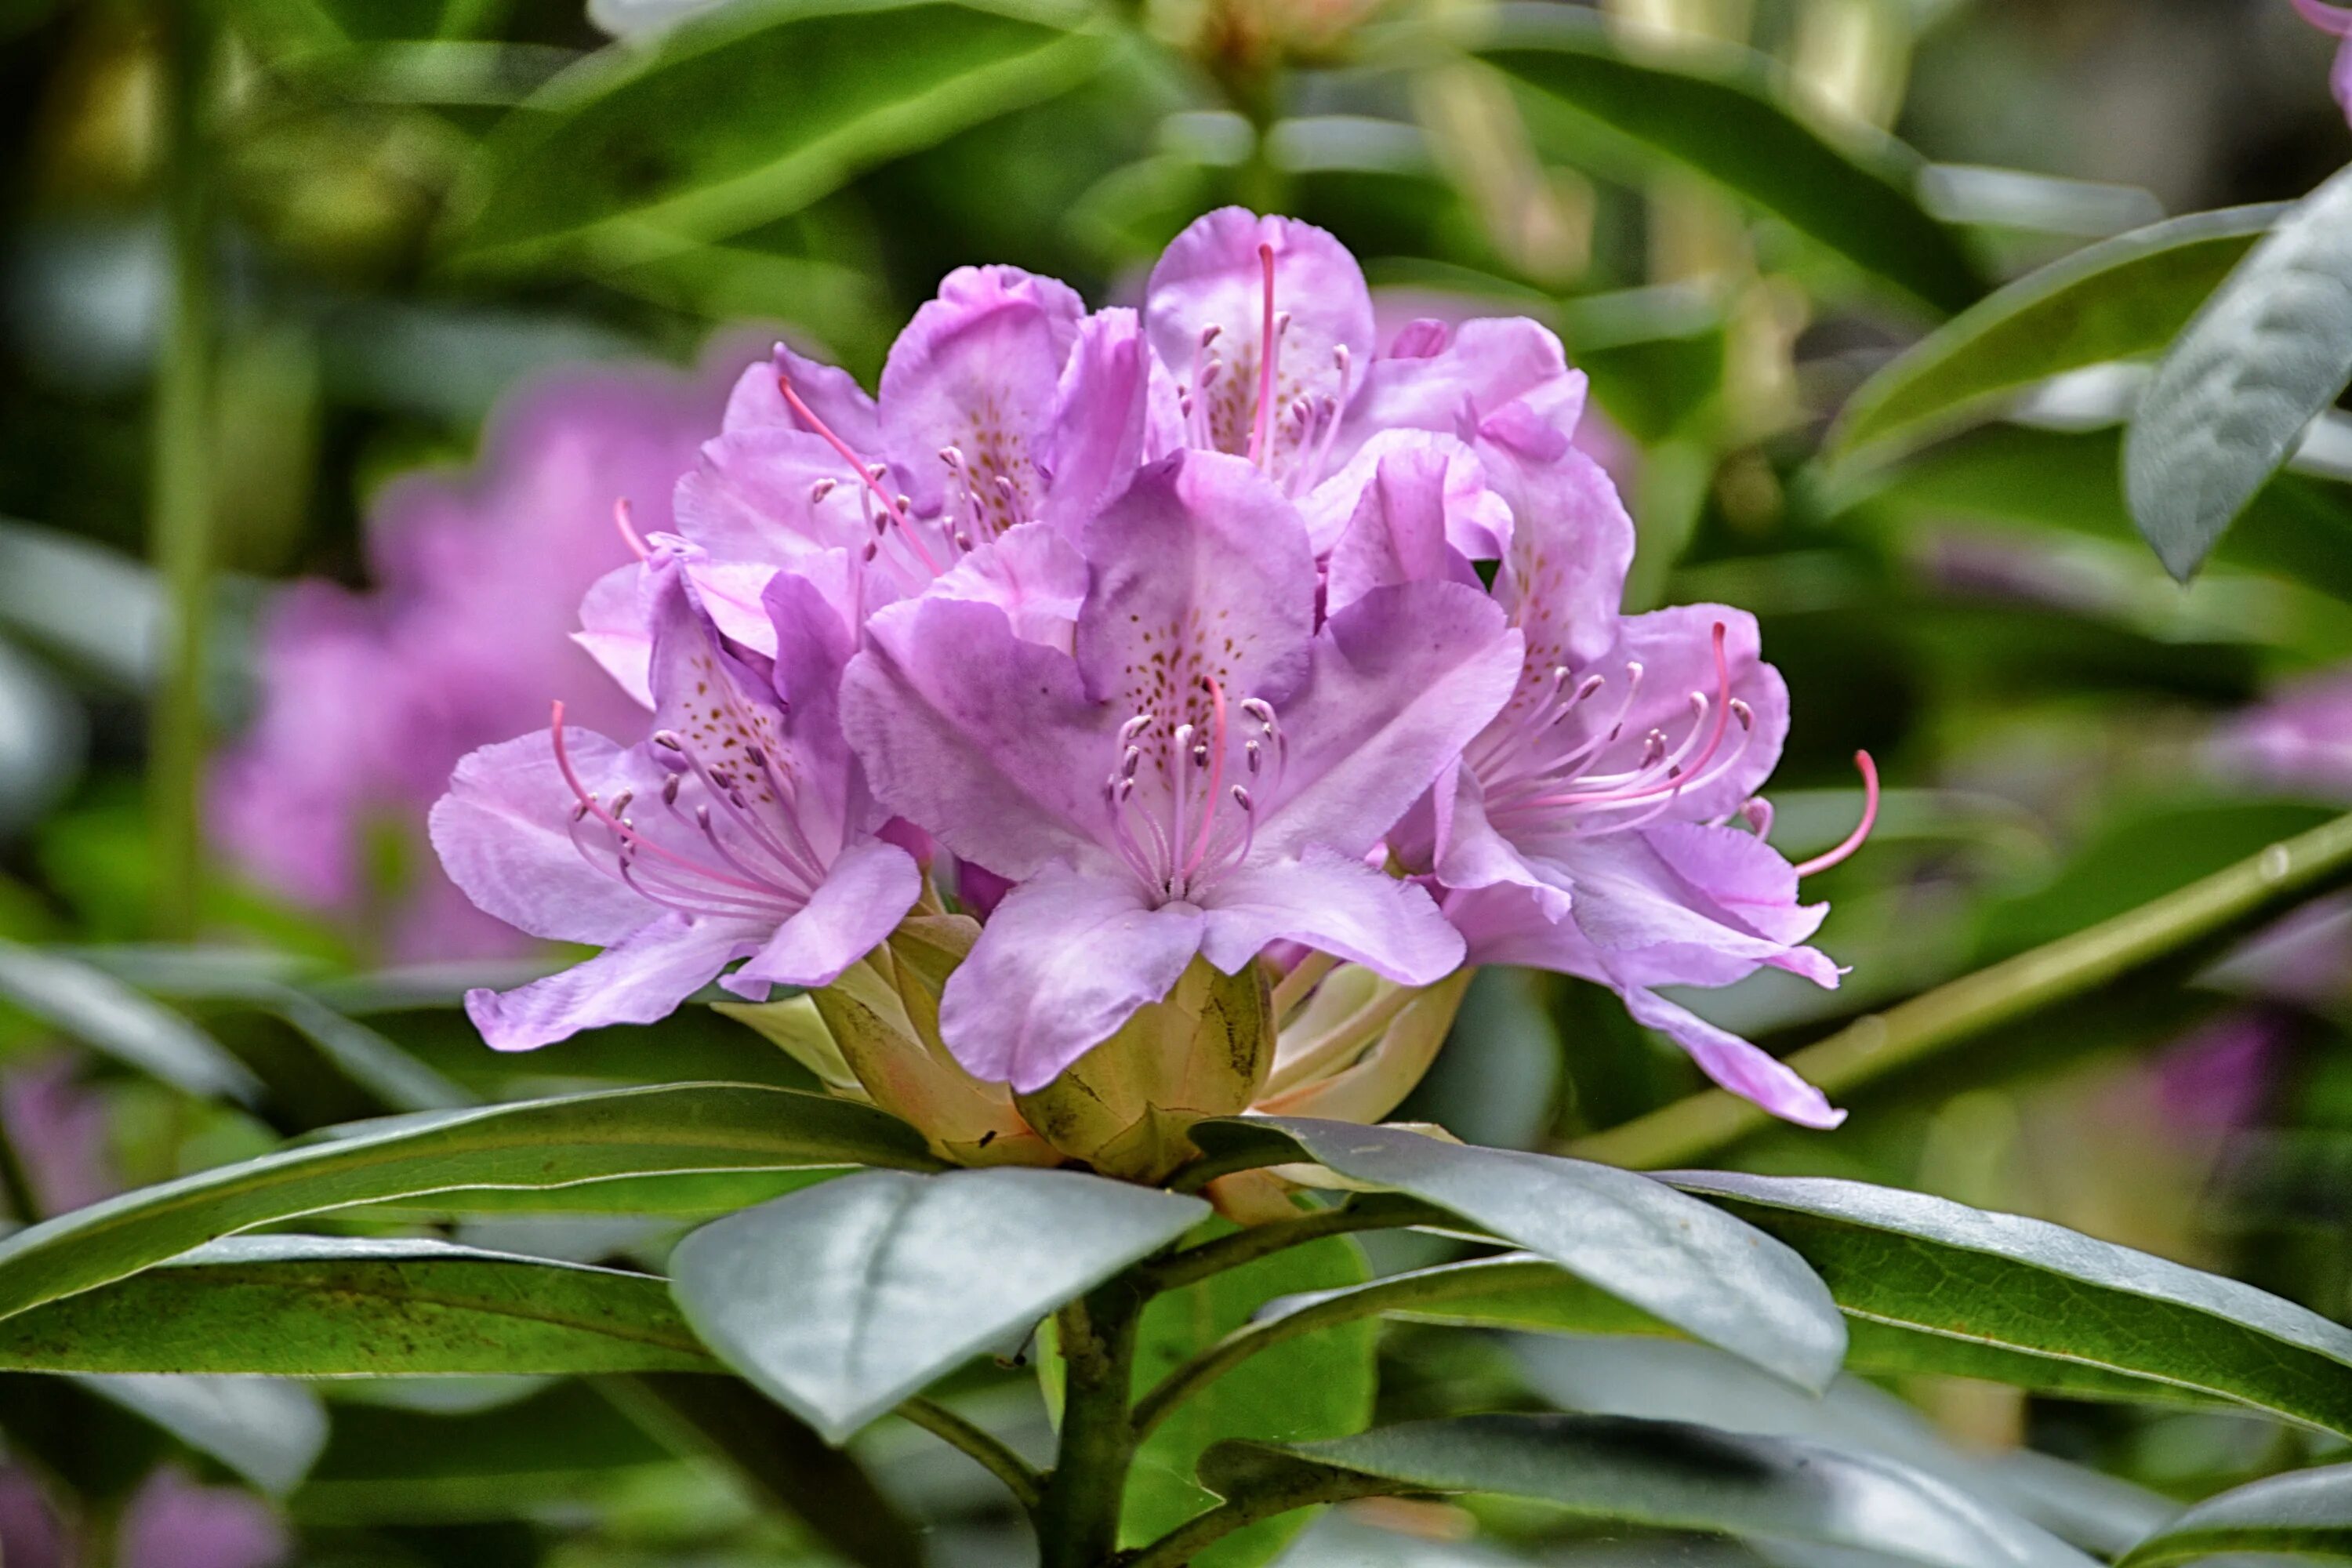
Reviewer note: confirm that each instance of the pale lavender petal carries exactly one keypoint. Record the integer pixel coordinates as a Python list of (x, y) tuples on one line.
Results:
[(2339, 77), (1110, 414), (1504, 379), (612, 629), (1747, 1071), (1479, 519), (617, 632), (1210, 276), (1421, 338), (2328, 18), (977, 370), (57, 1126), (987, 742), (1399, 532), (1033, 574), (1064, 959), (1662, 926), (1335, 905), (640, 979), (867, 891), (1201, 571), (1565, 572), (772, 494), (1400, 679), (831, 393), (1473, 854), (504, 834), (1739, 872), (172, 1523)]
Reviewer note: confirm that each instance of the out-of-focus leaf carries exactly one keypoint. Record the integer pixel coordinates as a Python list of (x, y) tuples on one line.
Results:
[(44, 735), (1662, 1474), (2306, 1515), (740, 118), (535, 1144), (1714, 112), (1317, 1386), (313, 1305), (268, 1431), (97, 608), (1936, 1267), (110, 1016), (842, 1300), (2122, 299), (1635, 1238), (2270, 349)]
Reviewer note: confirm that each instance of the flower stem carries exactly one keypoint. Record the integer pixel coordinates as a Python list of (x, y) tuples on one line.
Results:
[(1375, 1211), (2203, 914), (1077, 1520), (180, 491), (1027, 1487)]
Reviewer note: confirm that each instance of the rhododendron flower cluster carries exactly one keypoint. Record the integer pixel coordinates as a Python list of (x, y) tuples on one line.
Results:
[(1206, 663)]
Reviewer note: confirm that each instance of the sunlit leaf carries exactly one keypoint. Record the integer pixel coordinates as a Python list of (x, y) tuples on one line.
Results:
[(2305, 1516)]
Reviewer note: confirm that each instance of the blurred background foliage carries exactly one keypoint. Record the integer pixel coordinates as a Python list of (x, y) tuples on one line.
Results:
[(257, 257)]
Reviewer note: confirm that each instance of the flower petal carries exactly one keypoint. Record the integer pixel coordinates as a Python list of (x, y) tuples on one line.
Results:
[(1402, 529), (1400, 681), (1498, 381), (1111, 414), (1663, 927), (1064, 959), (1032, 573), (1335, 905), (866, 892), (503, 833), (831, 392), (771, 494), (1746, 1070), (1565, 572), (638, 980)]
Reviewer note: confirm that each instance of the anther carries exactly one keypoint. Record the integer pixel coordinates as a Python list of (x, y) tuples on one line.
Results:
[(668, 740), (822, 488)]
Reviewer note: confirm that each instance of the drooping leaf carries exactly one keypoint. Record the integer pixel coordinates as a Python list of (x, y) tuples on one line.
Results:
[(316, 1306), (2122, 299), (1657, 1473), (110, 1016), (1318, 1386), (745, 116), (2270, 349), (1635, 1238), (2306, 1515), (1714, 112), (1923, 1266), (268, 1431), (535, 1145), (843, 1300)]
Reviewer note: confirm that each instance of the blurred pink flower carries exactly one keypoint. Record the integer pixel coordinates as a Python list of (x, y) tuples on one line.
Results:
[(369, 699), (2300, 739), (173, 1522), (2336, 21), (57, 1128)]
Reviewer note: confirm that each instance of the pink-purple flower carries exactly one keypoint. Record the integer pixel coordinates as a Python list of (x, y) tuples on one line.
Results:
[(2337, 22)]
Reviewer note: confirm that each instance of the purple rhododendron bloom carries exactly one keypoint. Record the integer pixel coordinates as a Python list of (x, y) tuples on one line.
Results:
[(1204, 776), (739, 828), (2336, 21), (369, 699), (2301, 739)]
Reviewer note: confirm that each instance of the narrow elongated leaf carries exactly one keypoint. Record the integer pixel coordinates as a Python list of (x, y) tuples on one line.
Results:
[(1634, 1238), (1715, 114), (1662, 1474), (268, 1431), (317, 1306), (1931, 1267), (2307, 1515), (745, 116), (2268, 351), (843, 1300), (2124, 298), (535, 1145), (104, 1014)]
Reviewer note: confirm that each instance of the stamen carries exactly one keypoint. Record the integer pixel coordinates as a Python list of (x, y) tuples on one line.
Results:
[(1853, 840), (1261, 446), (629, 535), (873, 479)]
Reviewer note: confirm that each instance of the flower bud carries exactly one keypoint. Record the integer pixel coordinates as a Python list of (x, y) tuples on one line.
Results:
[(874, 1034), (1356, 1048), (1125, 1107)]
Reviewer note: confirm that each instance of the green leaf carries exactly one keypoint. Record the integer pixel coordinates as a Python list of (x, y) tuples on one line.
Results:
[(2271, 349), (1317, 1386), (267, 1431), (843, 1300), (1661, 1474), (745, 116), (1634, 1238), (1716, 113), (110, 1016), (1925, 1266), (2122, 299), (535, 1144), (316, 1306), (2307, 1514)]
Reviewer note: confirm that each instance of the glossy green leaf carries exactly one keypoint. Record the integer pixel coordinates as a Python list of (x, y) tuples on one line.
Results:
[(843, 1300), (1925, 1266), (535, 1145), (268, 1431), (1317, 1386), (1716, 113), (110, 1016), (2124, 298), (2305, 1516), (2271, 349), (314, 1306), (1661, 1474), (1635, 1238), (747, 115)]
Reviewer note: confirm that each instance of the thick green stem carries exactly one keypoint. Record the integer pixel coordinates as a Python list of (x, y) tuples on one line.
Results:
[(1078, 1521), (1027, 1487), (2200, 914), (180, 489), (1305, 1488)]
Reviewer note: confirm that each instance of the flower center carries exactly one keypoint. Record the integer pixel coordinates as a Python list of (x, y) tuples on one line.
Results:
[(1246, 408), (1176, 821)]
